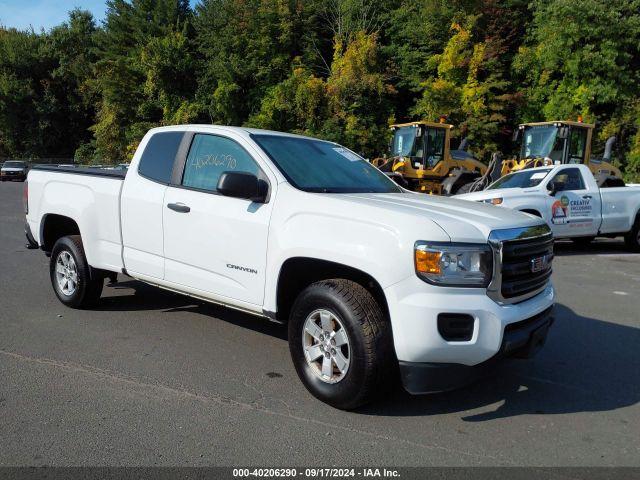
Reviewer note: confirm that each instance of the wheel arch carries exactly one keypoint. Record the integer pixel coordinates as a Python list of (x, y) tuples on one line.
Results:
[(53, 227), (297, 273), (532, 211)]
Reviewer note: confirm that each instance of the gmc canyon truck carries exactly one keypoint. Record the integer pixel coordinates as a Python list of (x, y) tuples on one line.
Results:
[(369, 277), (568, 198)]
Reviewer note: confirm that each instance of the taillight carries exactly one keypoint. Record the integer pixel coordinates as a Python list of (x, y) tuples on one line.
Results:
[(25, 197)]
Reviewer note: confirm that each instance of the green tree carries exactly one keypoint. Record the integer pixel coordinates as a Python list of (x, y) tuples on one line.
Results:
[(247, 47), (583, 58), (358, 96), (469, 87), (145, 73), (297, 104), (349, 106), (45, 110)]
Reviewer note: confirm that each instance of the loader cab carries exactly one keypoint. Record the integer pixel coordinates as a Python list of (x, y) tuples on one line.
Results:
[(423, 144), (556, 142)]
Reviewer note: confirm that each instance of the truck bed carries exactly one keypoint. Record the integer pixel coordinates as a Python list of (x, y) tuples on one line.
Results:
[(98, 172), (88, 196), (619, 208)]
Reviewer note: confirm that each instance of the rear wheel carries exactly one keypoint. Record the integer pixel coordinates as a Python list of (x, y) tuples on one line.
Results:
[(632, 239), (340, 343), (71, 275)]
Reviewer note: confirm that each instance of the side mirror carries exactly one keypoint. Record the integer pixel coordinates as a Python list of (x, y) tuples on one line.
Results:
[(552, 187), (243, 185)]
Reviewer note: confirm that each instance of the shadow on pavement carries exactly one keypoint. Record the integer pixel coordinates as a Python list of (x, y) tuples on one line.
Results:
[(599, 246), (147, 297), (587, 364)]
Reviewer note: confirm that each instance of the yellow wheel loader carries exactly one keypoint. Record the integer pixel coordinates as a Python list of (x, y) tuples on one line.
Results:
[(560, 142), (553, 143), (421, 160)]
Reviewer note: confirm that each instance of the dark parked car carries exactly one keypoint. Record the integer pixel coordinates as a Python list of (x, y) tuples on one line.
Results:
[(14, 170)]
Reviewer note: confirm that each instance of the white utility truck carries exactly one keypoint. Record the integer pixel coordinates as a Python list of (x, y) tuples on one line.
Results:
[(568, 198), (367, 275)]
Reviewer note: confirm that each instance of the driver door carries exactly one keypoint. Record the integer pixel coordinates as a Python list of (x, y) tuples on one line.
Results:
[(574, 209), (216, 244)]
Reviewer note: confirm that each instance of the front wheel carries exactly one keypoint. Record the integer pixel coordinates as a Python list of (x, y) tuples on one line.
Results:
[(340, 343), (71, 275)]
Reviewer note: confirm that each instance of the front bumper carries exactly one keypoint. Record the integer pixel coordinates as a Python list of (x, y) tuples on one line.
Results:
[(414, 307), (521, 339)]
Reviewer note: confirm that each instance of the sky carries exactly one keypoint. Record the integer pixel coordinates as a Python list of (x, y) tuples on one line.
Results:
[(23, 14)]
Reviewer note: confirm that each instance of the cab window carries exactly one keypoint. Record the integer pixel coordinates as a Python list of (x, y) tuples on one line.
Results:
[(210, 156), (568, 179), (158, 156), (435, 146), (577, 142)]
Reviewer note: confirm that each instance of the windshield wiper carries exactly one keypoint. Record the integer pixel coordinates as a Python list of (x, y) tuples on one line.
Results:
[(320, 190)]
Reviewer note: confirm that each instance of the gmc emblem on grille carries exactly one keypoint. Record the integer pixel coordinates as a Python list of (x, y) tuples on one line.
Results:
[(539, 263)]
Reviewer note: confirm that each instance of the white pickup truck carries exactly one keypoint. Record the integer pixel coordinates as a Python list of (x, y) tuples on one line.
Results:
[(367, 275), (568, 198)]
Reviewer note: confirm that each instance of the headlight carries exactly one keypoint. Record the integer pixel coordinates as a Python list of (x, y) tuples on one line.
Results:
[(493, 201), (454, 264)]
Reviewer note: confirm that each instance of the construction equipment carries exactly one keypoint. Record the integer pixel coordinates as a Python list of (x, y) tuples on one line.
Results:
[(553, 143), (561, 142), (421, 159)]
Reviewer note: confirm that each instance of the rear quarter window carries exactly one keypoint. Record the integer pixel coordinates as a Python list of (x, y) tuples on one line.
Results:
[(159, 155)]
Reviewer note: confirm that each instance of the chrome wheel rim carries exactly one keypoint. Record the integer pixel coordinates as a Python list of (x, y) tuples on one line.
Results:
[(66, 273), (326, 346)]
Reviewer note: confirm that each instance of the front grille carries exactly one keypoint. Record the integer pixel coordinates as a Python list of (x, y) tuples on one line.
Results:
[(518, 260)]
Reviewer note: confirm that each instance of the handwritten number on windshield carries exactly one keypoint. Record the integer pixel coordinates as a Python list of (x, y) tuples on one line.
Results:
[(225, 161)]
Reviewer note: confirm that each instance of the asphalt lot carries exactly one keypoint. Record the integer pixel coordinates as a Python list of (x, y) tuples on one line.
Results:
[(155, 378)]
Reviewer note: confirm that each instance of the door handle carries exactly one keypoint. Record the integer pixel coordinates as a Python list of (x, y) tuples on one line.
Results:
[(586, 196), (178, 207)]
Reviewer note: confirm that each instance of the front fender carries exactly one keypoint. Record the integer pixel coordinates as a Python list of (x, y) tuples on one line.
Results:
[(325, 230)]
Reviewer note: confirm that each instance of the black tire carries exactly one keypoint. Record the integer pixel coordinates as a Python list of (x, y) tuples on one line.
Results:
[(582, 242), (87, 290), (371, 354), (632, 238), (464, 188)]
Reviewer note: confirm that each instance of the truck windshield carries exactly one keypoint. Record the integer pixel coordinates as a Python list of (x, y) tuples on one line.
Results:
[(407, 142), (325, 167), (14, 164), (523, 179), (540, 141)]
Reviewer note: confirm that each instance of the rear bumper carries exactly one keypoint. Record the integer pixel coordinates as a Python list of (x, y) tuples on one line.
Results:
[(521, 339)]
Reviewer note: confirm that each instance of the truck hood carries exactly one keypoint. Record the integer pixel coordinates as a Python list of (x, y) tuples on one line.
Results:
[(462, 220)]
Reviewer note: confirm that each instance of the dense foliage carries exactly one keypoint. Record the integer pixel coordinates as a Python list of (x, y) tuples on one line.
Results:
[(337, 69)]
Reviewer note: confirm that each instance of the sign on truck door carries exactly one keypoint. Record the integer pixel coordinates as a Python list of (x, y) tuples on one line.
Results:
[(574, 208)]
